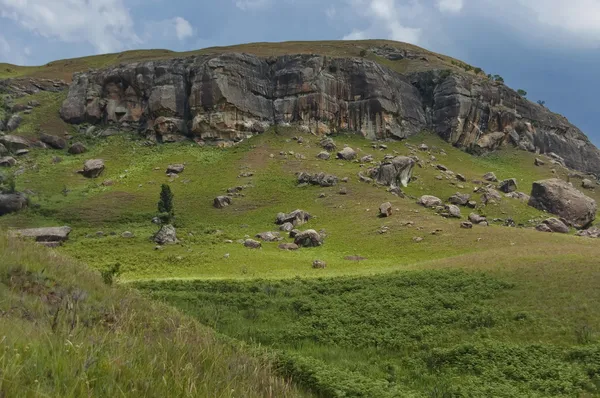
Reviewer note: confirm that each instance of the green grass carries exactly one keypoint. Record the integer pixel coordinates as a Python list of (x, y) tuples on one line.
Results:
[(44, 118), (64, 333)]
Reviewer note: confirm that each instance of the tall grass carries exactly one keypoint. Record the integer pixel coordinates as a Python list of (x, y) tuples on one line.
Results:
[(64, 333)]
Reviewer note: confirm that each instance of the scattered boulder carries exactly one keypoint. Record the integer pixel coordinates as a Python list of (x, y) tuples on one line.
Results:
[(543, 228), (221, 201), (52, 236), (556, 225), (53, 141), (14, 142), (127, 235), (423, 147), (12, 202), (320, 179), (8, 161), (453, 211), (519, 195), (461, 178), (252, 244), (593, 232), (167, 234), (508, 186), (308, 238), (477, 219), (560, 198), (343, 191), (385, 210), (466, 225), (77, 149), (490, 196), (397, 172), (21, 152), (13, 123), (3, 150), (175, 168), (92, 168), (328, 144), (287, 227), (323, 155), (491, 177), (318, 264), (297, 217), (429, 201), (472, 204), (587, 184), (366, 159), (288, 246), (269, 236), (347, 154), (459, 199), (539, 162)]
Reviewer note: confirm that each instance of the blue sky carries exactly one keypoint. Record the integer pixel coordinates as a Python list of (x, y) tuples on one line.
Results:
[(551, 48)]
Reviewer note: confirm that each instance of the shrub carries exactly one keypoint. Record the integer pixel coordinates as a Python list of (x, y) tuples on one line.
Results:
[(522, 92), (109, 274), (166, 211), (363, 53)]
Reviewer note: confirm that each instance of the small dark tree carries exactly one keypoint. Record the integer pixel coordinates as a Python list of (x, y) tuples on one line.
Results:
[(498, 78), (166, 211), (363, 53), (542, 103), (478, 71), (522, 92)]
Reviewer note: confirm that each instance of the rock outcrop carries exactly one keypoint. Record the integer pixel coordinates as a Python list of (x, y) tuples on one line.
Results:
[(228, 97), (12, 202), (394, 173), (560, 198), (52, 236)]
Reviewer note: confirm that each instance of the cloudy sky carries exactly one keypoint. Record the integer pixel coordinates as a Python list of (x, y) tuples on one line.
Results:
[(551, 48)]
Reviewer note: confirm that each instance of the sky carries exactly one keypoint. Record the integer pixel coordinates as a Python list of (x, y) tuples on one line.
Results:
[(550, 48)]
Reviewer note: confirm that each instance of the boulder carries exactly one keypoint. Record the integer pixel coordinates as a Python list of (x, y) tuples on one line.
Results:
[(347, 154), (323, 155), (477, 219), (423, 147), (288, 246), (593, 232), (453, 211), (429, 201), (252, 244), (3, 150), (8, 161), (328, 144), (491, 177), (543, 228), (92, 168), (490, 196), (508, 186), (556, 225), (167, 234), (21, 152), (519, 195), (366, 159), (397, 172), (14, 142), (13, 123), (587, 184), (53, 141), (269, 236), (318, 264), (12, 202), (127, 235), (560, 198), (287, 227), (52, 234), (459, 199), (539, 162), (320, 179), (221, 201), (77, 149), (461, 178), (175, 168), (385, 209), (297, 217), (466, 225), (308, 238)]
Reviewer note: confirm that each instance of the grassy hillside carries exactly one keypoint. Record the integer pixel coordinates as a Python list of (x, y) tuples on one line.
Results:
[(63, 69), (65, 333)]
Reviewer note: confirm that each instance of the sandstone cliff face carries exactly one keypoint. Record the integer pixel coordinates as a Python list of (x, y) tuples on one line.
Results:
[(229, 97)]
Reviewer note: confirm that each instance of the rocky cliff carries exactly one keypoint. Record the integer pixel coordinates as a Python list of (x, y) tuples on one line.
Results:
[(228, 97)]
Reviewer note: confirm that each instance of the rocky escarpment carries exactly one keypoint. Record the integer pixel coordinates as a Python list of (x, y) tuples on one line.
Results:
[(226, 98)]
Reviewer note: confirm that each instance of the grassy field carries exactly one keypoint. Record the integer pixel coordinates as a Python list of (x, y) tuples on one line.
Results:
[(65, 333)]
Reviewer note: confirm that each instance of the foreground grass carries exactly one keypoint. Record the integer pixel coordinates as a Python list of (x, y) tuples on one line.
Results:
[(64, 333)]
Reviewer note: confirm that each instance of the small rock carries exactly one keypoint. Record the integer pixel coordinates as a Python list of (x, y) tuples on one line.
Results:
[(175, 168), (323, 155), (318, 264), (423, 147), (343, 191), (417, 239), (461, 178), (127, 235), (221, 201), (539, 162), (92, 168), (491, 177), (429, 201), (166, 235), (587, 184), (288, 246), (252, 244), (269, 236), (287, 227), (466, 225), (508, 186), (453, 211), (385, 210), (308, 238), (347, 154), (477, 219)]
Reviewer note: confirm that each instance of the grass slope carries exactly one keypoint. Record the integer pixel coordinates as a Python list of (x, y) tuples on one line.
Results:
[(64, 333)]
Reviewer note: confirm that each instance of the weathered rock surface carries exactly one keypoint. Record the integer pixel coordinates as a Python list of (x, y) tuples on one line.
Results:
[(555, 225), (477, 219), (347, 154), (429, 201), (221, 201), (14, 142), (560, 198), (453, 211), (167, 234), (269, 236), (12, 202), (394, 173), (252, 244), (52, 234), (593, 232), (508, 186), (587, 184), (77, 149), (490, 177), (297, 217), (289, 246), (308, 238), (320, 179), (3, 150), (385, 209), (8, 161), (13, 122), (175, 168), (53, 141), (460, 199), (93, 168), (323, 155)]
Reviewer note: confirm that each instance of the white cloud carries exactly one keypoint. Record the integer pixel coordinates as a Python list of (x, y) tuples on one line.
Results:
[(183, 28), (385, 17), (250, 4), (105, 24), (452, 6)]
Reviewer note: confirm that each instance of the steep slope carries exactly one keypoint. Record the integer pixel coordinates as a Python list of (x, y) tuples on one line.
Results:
[(230, 96)]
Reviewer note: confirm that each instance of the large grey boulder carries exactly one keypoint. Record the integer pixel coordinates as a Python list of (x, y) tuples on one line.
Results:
[(460, 199), (14, 142), (221, 201), (347, 154), (175, 168), (77, 149), (92, 168), (13, 123), (167, 234), (320, 179), (328, 144), (252, 244), (52, 234), (269, 236), (12, 202), (296, 218), (555, 225), (385, 209), (53, 141), (308, 238), (562, 199), (8, 161), (430, 201), (396, 172), (508, 186), (592, 232)]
